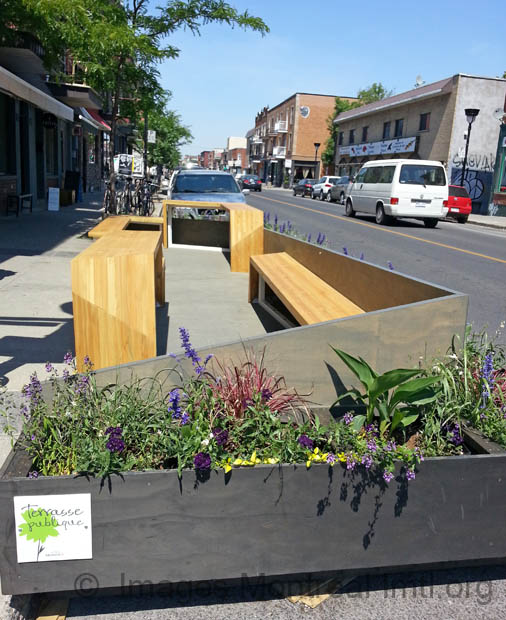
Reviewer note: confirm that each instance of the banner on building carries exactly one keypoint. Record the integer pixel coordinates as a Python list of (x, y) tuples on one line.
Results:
[(385, 147), (129, 165)]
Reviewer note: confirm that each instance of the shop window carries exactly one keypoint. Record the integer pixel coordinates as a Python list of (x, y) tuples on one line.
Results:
[(386, 130), (51, 146), (7, 135), (365, 131), (340, 139), (399, 123), (352, 137), (424, 122)]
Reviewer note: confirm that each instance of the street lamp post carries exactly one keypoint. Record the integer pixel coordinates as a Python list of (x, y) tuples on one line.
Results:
[(471, 114), (316, 147)]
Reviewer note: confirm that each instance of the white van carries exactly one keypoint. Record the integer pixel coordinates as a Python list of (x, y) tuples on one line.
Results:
[(391, 188)]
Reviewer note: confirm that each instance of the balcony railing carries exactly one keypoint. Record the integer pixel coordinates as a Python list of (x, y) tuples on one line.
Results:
[(272, 131), (279, 151), (257, 139), (281, 127)]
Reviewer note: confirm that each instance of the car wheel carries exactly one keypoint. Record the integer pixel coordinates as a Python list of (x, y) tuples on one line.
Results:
[(431, 222), (349, 210), (328, 197), (381, 216), (321, 194), (341, 198), (462, 219)]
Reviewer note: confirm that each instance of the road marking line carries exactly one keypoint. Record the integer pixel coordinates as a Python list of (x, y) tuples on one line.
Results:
[(393, 232)]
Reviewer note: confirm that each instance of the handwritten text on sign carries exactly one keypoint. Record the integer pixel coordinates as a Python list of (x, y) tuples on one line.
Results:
[(53, 527)]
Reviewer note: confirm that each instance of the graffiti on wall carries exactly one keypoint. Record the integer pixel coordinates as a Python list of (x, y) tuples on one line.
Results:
[(475, 161)]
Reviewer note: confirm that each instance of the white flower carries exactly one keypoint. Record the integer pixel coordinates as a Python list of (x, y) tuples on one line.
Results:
[(205, 442)]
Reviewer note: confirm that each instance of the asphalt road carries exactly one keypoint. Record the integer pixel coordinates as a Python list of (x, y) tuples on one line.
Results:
[(466, 258)]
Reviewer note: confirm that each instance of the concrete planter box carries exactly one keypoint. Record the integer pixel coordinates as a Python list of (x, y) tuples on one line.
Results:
[(209, 233), (268, 521)]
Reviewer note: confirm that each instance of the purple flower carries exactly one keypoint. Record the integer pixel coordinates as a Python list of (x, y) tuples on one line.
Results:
[(309, 238), (115, 442), (387, 476), (202, 460), (189, 351), (185, 418), (66, 374), (68, 358), (390, 266), (174, 407), (82, 385), (350, 461), (362, 256), (33, 390), (367, 461), (220, 435), (247, 402), (266, 394), (391, 446), (331, 458), (410, 474), (371, 445), (370, 428), (49, 367), (455, 435), (33, 474), (418, 454), (32, 438), (282, 228), (275, 222), (487, 375), (345, 251), (348, 418), (87, 362), (306, 442)]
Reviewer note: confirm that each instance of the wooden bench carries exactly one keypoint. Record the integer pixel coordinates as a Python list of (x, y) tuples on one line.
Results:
[(116, 223), (306, 296), (16, 203), (246, 229), (116, 283)]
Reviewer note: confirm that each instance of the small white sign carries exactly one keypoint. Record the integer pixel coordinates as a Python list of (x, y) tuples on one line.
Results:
[(461, 152), (151, 136), (53, 527), (288, 163), (53, 199)]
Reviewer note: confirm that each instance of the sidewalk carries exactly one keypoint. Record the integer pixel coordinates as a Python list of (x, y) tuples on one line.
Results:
[(489, 221)]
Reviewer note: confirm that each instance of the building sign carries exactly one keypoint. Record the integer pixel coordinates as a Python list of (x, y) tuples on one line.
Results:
[(53, 199), (129, 165), (151, 136), (385, 147), (288, 163), (53, 527), (304, 111)]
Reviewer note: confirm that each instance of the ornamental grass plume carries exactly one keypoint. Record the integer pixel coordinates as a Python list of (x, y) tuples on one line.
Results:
[(240, 387)]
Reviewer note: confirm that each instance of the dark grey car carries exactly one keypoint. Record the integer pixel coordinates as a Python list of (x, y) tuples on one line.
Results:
[(338, 192)]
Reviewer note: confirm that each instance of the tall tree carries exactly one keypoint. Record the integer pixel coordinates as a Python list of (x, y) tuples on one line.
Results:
[(120, 44), (372, 93), (171, 135)]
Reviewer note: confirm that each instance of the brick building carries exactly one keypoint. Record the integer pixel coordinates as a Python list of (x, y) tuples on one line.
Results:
[(281, 148), (429, 122)]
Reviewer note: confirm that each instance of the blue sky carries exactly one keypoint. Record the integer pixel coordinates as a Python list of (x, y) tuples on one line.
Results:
[(224, 77)]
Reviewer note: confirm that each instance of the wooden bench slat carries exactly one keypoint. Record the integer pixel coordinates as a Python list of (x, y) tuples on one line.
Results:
[(308, 298)]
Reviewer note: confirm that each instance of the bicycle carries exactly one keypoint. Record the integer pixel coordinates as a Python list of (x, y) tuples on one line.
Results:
[(109, 204)]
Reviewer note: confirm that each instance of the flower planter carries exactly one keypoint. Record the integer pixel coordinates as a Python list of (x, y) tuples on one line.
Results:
[(150, 527)]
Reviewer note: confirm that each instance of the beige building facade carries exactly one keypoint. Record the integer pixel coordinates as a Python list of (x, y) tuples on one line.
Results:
[(429, 122)]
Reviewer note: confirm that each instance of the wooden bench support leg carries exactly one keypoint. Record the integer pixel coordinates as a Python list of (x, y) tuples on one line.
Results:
[(253, 284)]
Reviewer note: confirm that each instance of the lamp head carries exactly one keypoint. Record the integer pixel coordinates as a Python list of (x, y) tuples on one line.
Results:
[(471, 114), (317, 145)]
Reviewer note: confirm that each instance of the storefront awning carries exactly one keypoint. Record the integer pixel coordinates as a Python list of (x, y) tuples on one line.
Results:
[(13, 85), (96, 116)]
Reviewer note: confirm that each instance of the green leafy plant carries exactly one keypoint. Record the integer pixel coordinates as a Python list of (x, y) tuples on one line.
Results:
[(393, 397)]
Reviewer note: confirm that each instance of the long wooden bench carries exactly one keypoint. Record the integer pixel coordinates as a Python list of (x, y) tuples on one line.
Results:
[(306, 296), (116, 223)]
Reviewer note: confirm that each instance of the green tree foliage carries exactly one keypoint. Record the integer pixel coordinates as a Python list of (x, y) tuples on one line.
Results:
[(171, 135), (120, 44), (372, 93)]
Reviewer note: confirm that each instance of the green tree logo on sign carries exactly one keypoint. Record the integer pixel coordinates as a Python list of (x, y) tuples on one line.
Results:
[(38, 526)]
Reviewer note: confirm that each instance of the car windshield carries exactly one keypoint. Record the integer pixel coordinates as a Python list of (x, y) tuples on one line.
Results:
[(419, 174), (206, 184), (461, 192)]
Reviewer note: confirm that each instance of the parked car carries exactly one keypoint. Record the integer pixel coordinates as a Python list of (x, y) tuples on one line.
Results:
[(252, 182), (338, 192), (205, 186), (459, 203), (391, 188), (322, 187), (303, 187)]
